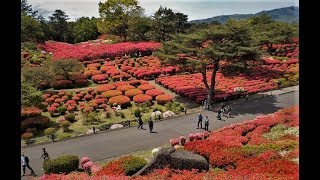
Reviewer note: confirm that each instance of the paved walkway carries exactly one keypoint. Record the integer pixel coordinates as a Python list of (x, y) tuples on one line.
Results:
[(110, 144)]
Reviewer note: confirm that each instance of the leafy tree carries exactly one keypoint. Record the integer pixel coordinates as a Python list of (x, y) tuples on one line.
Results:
[(64, 67), (26, 9), (139, 28), (115, 16), (30, 96), (181, 22), (268, 32), (30, 29), (231, 42), (59, 25), (166, 22), (85, 29), (37, 75)]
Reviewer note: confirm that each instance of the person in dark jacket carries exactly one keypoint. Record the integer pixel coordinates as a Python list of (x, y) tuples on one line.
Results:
[(150, 125), (206, 124), (25, 163), (140, 123), (45, 155), (219, 114), (200, 120)]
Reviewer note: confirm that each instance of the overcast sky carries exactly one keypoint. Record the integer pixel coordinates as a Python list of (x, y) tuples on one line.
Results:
[(195, 9)]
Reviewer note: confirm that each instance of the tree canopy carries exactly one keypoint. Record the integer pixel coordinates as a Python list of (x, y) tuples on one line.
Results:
[(85, 29), (231, 42), (115, 16), (165, 23), (268, 32)]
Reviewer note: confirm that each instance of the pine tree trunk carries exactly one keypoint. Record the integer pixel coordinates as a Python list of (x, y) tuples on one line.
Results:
[(211, 91)]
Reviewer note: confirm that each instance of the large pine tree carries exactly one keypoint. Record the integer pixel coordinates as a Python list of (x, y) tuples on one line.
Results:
[(230, 42)]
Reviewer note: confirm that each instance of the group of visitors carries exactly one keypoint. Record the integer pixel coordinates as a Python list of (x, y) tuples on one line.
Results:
[(25, 161), (223, 111), (150, 122)]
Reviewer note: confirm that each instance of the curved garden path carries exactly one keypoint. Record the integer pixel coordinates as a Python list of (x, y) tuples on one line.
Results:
[(110, 144)]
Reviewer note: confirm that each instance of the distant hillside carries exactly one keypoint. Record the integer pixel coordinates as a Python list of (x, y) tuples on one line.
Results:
[(287, 14)]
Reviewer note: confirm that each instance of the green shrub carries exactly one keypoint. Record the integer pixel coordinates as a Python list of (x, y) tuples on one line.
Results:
[(71, 117), (64, 136), (280, 130), (174, 107), (158, 108), (108, 114), (65, 125), (91, 118), (145, 106), (119, 113), (62, 109), (63, 164), (49, 131), (133, 165), (137, 113)]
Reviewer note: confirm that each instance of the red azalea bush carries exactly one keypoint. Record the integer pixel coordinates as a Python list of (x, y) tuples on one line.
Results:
[(105, 87), (30, 112), (174, 141), (39, 122), (99, 77), (125, 88), (154, 92), (73, 175), (135, 83), (141, 98), (62, 84), (81, 82), (124, 101), (146, 87), (49, 100), (163, 99), (87, 51), (133, 92), (111, 93)]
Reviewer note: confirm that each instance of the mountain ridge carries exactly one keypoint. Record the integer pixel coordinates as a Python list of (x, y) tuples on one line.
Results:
[(287, 14)]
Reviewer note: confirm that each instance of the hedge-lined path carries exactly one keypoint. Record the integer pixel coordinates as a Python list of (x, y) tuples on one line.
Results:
[(115, 143)]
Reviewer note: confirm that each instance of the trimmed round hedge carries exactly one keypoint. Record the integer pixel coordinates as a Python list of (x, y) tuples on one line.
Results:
[(111, 93), (124, 101), (154, 92), (62, 164), (163, 98), (145, 87), (141, 98), (125, 88), (62, 84), (133, 92), (30, 112), (105, 87), (39, 122)]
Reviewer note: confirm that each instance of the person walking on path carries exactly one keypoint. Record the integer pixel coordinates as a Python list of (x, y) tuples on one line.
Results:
[(45, 155), (229, 111), (200, 120), (150, 125), (219, 114), (223, 107), (206, 124), (140, 123), (25, 163), (185, 110)]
